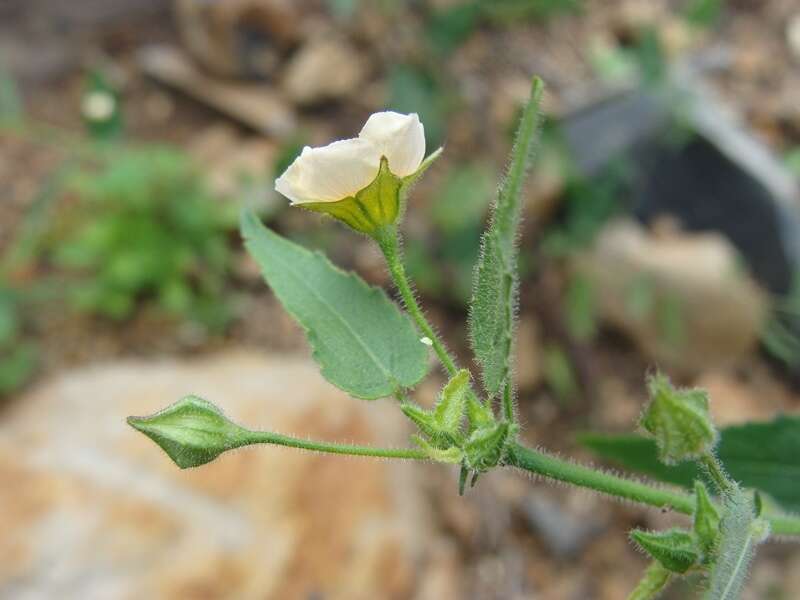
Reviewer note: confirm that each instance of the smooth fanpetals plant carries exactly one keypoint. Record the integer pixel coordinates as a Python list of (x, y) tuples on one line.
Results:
[(367, 346)]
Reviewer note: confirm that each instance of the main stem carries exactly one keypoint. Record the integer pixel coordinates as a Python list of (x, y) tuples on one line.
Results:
[(389, 242), (561, 470), (558, 469)]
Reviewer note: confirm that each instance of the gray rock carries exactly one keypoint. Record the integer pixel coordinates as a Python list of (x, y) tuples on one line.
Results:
[(93, 510), (562, 531), (327, 68)]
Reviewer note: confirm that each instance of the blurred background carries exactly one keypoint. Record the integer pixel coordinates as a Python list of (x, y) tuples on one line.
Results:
[(662, 230)]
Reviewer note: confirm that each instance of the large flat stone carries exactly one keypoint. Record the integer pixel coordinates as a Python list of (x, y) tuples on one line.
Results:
[(91, 509)]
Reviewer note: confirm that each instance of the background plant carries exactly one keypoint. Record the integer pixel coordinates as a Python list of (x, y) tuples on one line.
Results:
[(366, 346), (17, 354), (141, 229)]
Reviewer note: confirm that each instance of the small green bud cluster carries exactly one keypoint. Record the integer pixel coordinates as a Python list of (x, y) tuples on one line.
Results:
[(443, 436), (679, 421), (679, 550)]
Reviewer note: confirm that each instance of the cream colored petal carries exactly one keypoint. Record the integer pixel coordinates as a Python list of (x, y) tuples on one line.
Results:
[(400, 138), (330, 173)]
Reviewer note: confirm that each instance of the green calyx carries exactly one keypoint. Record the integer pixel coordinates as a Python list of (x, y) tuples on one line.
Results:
[(442, 426), (678, 550), (192, 431), (679, 421), (674, 549), (377, 206), (706, 520), (487, 445), (443, 435), (372, 208)]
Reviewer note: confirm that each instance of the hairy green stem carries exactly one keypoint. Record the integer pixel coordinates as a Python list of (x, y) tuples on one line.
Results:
[(784, 524), (267, 437), (559, 469), (655, 580), (716, 472), (562, 470), (389, 242), (508, 403)]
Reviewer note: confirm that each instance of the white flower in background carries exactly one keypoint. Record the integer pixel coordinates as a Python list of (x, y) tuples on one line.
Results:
[(98, 106), (342, 169)]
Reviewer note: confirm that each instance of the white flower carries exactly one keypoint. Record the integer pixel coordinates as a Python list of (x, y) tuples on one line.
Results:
[(342, 169), (98, 106)]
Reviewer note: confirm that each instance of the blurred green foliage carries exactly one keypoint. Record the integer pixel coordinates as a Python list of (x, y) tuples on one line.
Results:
[(143, 228), (443, 266), (450, 27), (559, 374), (17, 356), (586, 207), (581, 308), (644, 56), (792, 160), (703, 13), (780, 334), (11, 109), (289, 150), (414, 88), (101, 107), (511, 11), (343, 9)]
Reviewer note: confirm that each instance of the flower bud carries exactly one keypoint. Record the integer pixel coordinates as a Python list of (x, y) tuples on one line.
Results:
[(679, 421), (192, 431)]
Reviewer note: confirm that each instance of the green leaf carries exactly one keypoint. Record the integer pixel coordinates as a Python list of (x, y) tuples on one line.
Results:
[(706, 519), (674, 548), (453, 454), (442, 425), (449, 411), (495, 282), (740, 533), (653, 582), (362, 342), (424, 420), (762, 456), (678, 420), (192, 431)]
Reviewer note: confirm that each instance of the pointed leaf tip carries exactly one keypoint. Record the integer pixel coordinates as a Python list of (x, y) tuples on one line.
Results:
[(450, 410), (706, 519), (673, 549)]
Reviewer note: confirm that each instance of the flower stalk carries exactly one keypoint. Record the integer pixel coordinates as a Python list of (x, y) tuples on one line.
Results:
[(389, 241), (267, 437)]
